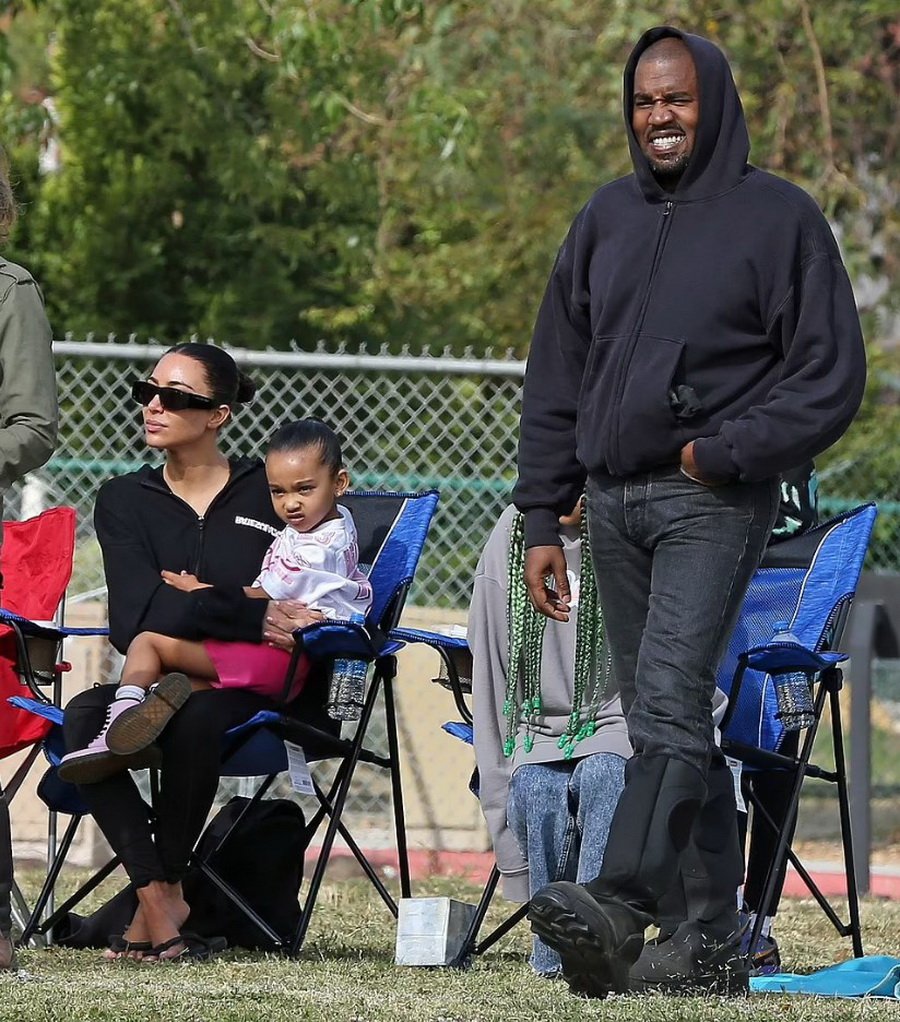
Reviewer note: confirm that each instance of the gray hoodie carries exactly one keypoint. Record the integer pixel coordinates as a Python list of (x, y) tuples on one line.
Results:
[(488, 641)]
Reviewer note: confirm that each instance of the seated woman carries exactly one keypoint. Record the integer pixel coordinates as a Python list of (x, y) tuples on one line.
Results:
[(212, 517), (550, 737)]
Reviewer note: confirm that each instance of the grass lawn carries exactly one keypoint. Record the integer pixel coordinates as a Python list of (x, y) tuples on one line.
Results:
[(346, 972)]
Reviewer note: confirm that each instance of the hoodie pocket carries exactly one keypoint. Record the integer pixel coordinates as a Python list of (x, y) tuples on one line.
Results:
[(626, 403), (650, 378)]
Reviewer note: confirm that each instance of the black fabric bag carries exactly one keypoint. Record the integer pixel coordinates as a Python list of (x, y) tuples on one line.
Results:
[(262, 860)]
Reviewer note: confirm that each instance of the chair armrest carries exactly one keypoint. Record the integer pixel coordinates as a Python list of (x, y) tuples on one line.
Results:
[(779, 657), (456, 658), (45, 629), (33, 666), (49, 711), (325, 640)]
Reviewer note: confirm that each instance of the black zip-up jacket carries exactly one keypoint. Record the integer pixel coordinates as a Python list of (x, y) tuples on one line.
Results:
[(144, 528), (719, 313)]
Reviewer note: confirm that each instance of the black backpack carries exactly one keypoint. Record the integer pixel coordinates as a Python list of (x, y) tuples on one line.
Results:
[(262, 860)]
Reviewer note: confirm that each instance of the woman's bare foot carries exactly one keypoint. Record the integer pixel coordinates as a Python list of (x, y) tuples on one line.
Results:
[(165, 912)]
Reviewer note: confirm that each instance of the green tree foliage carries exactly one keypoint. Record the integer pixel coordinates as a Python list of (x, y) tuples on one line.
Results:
[(402, 172), (394, 170), (184, 201)]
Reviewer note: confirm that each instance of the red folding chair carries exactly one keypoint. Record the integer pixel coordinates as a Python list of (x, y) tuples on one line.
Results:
[(36, 566)]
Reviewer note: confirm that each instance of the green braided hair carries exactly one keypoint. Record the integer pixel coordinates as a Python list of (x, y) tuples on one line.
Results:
[(526, 638)]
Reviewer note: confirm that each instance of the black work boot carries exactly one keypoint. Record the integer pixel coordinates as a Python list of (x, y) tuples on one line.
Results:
[(598, 928), (671, 911), (693, 961), (703, 955)]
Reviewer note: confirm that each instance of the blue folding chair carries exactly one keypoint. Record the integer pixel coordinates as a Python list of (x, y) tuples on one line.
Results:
[(809, 580), (392, 528)]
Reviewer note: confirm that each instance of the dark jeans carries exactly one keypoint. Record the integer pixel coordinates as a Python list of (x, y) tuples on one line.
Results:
[(192, 749), (673, 560)]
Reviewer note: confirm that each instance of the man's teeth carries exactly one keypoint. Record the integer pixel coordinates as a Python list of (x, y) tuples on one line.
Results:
[(665, 141)]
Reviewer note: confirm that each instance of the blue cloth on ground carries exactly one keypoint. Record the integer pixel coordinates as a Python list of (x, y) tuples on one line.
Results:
[(869, 976)]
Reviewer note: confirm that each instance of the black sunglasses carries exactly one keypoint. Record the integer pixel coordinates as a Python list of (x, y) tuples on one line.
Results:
[(171, 398)]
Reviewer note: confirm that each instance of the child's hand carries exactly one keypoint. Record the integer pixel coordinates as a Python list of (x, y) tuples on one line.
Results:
[(184, 581)]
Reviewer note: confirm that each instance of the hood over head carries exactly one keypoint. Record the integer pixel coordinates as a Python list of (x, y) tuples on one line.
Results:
[(722, 146)]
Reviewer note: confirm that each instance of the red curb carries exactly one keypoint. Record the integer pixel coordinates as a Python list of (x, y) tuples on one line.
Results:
[(834, 884), (476, 867)]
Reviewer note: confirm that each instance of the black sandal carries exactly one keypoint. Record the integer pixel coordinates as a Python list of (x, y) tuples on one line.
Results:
[(119, 944), (195, 949)]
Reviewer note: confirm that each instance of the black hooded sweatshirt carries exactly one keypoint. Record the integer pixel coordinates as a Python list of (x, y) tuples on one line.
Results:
[(720, 313), (143, 528)]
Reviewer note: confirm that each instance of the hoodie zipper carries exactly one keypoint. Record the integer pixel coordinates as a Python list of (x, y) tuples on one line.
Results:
[(661, 238), (201, 519), (201, 525)]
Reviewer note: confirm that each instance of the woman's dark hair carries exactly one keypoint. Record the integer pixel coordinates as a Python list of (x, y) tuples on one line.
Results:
[(296, 436), (229, 385), (9, 211)]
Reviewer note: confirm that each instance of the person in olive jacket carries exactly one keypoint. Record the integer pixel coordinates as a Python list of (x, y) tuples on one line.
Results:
[(28, 425)]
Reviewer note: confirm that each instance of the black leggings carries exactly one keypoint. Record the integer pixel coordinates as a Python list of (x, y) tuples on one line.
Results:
[(189, 777)]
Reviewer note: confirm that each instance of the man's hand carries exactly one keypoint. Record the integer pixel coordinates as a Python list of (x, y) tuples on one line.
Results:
[(282, 617), (184, 581), (541, 562), (689, 467)]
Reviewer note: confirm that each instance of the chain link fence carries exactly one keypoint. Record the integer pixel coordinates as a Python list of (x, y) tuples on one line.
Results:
[(407, 422)]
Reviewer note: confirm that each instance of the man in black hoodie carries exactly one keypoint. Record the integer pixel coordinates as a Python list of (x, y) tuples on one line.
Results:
[(698, 337)]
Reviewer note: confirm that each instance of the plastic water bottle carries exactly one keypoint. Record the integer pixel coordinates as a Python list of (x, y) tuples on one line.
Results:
[(348, 684), (792, 691)]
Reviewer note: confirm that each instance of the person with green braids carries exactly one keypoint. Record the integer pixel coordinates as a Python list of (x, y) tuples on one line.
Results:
[(550, 738)]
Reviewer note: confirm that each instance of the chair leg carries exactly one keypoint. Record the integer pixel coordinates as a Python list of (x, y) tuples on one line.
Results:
[(326, 809), (15, 782), (334, 817), (512, 920), (239, 902), (829, 688), (840, 767), (56, 865), (20, 910), (89, 885), (468, 944), (396, 782), (786, 826)]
